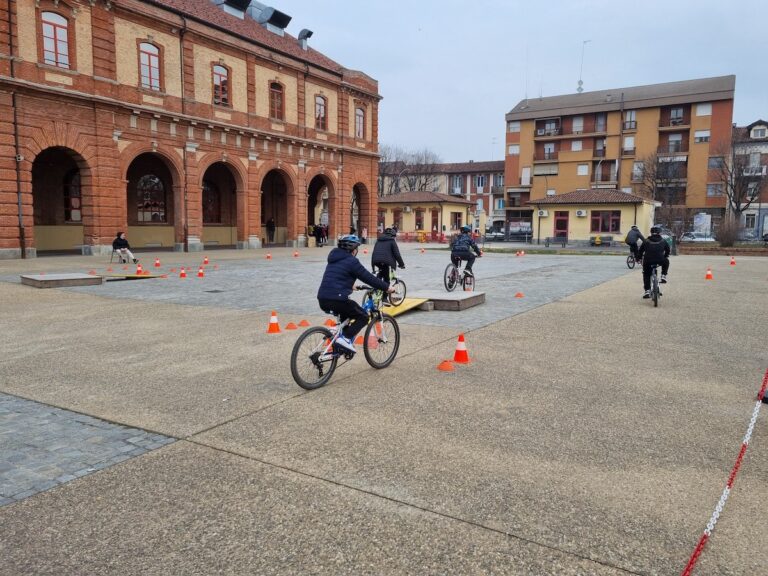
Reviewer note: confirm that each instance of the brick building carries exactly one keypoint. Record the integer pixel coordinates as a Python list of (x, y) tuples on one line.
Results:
[(188, 123), (750, 159)]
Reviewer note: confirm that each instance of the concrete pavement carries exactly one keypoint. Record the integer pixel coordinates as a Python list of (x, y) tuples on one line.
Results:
[(591, 434)]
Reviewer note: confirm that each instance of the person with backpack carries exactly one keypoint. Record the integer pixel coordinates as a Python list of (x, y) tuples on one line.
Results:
[(386, 254), (462, 248), (654, 251)]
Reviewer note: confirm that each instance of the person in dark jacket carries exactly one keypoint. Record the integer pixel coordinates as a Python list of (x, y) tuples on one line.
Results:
[(342, 271), (632, 237), (654, 250), (462, 248), (121, 246), (386, 254)]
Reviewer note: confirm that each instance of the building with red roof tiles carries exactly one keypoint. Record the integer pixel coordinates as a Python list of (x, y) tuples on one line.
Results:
[(186, 123)]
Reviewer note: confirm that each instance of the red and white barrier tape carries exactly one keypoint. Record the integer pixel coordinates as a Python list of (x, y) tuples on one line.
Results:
[(724, 496)]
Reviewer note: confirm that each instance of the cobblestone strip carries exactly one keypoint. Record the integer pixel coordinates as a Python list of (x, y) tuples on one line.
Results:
[(42, 447)]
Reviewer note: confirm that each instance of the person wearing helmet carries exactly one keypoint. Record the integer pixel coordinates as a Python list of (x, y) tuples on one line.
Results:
[(386, 254), (654, 250), (342, 271), (633, 236), (462, 248)]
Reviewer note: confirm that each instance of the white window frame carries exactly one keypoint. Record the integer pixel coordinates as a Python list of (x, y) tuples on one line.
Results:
[(704, 109), (578, 124), (513, 126), (480, 180), (582, 169), (714, 190), (513, 150), (758, 132), (701, 136), (638, 168), (576, 145)]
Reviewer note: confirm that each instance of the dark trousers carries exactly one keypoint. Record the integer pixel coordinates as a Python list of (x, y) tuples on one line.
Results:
[(634, 250), (382, 270), (457, 257), (647, 272), (346, 309), (270, 235)]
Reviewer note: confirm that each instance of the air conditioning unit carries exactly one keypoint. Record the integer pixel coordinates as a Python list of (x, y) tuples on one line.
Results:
[(581, 213), (407, 208), (543, 213), (541, 132)]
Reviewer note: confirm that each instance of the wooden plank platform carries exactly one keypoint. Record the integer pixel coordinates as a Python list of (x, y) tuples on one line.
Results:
[(60, 280), (115, 277), (458, 300), (405, 305)]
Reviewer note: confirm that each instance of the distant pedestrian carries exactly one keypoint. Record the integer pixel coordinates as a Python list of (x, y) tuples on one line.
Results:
[(271, 230)]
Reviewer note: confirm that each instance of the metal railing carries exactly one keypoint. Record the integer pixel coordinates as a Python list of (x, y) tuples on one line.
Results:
[(630, 125), (673, 148), (755, 170)]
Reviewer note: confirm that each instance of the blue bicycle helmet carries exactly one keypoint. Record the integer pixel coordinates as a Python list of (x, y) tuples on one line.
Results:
[(466, 229), (350, 242)]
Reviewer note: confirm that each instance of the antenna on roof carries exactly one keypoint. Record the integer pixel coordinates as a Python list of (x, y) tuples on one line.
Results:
[(580, 89)]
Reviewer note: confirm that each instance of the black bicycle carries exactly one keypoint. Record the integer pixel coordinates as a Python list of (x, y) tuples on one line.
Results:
[(316, 355), (655, 292), (631, 261), (455, 275), (395, 298)]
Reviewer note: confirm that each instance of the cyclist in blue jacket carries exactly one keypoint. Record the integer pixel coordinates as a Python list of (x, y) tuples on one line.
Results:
[(462, 247), (342, 271)]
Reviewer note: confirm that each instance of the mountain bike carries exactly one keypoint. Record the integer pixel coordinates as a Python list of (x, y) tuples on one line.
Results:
[(655, 292), (316, 355), (455, 275), (397, 297), (631, 261)]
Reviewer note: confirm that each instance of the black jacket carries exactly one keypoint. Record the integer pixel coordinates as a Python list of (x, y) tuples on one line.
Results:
[(120, 243), (340, 275), (386, 252), (633, 236), (464, 243), (654, 250)]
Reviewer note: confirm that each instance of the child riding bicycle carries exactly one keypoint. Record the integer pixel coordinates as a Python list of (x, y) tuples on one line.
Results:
[(632, 237), (342, 271), (654, 252), (461, 249), (386, 254)]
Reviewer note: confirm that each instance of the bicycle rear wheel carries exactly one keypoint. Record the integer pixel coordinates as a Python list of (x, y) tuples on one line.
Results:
[(451, 277), (312, 360), (655, 289), (468, 283), (630, 262), (397, 297), (382, 341)]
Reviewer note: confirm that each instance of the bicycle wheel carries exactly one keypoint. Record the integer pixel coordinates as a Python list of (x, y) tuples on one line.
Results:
[(382, 341), (451, 276), (468, 283), (311, 365), (630, 262), (397, 297), (655, 289)]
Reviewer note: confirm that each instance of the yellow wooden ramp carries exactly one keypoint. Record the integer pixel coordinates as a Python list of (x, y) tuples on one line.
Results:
[(405, 305)]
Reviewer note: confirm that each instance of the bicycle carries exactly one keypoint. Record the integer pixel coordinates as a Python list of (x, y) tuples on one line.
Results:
[(395, 298), (655, 292), (316, 356), (631, 261), (456, 274)]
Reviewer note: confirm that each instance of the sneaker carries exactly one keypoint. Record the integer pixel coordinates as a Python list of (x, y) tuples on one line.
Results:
[(647, 294), (468, 272), (663, 279), (135, 260), (346, 343)]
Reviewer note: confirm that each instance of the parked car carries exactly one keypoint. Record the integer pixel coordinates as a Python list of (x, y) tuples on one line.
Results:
[(695, 237), (494, 235)]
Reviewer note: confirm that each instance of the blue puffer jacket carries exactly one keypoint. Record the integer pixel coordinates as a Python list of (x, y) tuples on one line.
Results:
[(340, 275)]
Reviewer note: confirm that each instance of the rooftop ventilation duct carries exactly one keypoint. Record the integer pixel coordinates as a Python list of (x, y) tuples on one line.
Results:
[(234, 7), (304, 35), (271, 18)]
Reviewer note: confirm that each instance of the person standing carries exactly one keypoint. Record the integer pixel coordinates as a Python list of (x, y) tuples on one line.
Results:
[(271, 230)]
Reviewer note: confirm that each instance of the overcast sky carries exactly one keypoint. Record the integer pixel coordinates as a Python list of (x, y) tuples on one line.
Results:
[(449, 71)]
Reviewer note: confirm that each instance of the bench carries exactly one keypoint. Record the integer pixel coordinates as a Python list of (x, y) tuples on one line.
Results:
[(604, 240), (562, 240)]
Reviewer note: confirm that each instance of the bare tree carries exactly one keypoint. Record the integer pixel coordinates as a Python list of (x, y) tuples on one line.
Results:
[(406, 171), (740, 176), (664, 179)]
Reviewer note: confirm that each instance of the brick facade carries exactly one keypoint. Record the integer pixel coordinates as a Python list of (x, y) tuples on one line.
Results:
[(95, 115)]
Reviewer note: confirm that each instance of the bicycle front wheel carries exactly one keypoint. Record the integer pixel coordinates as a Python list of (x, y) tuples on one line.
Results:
[(382, 341), (630, 262), (655, 291), (312, 359), (451, 276), (397, 297)]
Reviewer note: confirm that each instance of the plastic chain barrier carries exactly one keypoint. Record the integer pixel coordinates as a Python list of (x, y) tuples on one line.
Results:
[(729, 486)]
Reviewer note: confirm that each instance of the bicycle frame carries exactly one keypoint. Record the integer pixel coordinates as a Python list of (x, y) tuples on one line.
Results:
[(374, 315)]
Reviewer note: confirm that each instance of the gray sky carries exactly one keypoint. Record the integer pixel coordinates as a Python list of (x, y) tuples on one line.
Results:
[(450, 70)]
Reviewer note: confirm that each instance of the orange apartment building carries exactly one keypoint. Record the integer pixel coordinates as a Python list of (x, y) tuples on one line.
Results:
[(603, 140), (186, 123)]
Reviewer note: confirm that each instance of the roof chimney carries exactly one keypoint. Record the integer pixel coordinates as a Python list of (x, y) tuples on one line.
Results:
[(304, 35)]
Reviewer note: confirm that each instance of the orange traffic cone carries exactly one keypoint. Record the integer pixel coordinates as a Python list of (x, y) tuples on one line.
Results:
[(295, 253), (157, 262), (519, 295), (205, 261), (303, 323), (446, 366), (274, 327), (139, 270), (291, 326), (517, 253), (269, 256), (708, 275), (733, 261), (92, 272), (522, 252), (359, 341), (461, 356), (200, 272), (330, 322), (183, 273), (365, 250), (422, 251), (110, 269), (172, 270)]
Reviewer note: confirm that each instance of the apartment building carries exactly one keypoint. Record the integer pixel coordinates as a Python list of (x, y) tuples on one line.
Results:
[(186, 123), (750, 151), (482, 183), (654, 142)]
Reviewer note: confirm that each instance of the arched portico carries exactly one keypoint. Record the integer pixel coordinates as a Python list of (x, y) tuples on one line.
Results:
[(219, 206), (153, 201), (277, 208)]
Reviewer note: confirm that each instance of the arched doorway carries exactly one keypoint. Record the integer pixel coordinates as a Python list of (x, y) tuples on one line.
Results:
[(57, 200), (360, 215), (219, 206), (318, 205), (150, 202), (274, 208), (354, 213)]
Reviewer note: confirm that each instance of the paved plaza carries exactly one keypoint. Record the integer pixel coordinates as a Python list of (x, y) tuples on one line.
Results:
[(153, 427)]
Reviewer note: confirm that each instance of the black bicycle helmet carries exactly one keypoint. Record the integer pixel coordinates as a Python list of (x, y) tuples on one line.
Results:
[(391, 232), (466, 229), (350, 242), (655, 230)]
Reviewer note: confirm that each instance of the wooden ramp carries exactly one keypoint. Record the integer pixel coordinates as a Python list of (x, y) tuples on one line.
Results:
[(455, 301), (405, 306), (115, 277), (60, 280)]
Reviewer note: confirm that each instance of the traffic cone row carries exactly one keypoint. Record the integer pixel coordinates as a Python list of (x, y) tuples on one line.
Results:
[(274, 325), (460, 356)]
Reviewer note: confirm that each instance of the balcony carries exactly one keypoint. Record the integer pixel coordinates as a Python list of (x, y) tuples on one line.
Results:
[(598, 153), (548, 131), (497, 189), (630, 125), (627, 151), (456, 191), (545, 156), (674, 122), (755, 170), (604, 178), (673, 148)]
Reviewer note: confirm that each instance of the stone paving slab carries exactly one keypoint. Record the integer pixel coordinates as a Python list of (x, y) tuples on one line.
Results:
[(42, 447)]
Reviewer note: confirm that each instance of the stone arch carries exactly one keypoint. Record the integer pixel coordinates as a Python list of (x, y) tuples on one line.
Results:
[(290, 228), (365, 223)]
